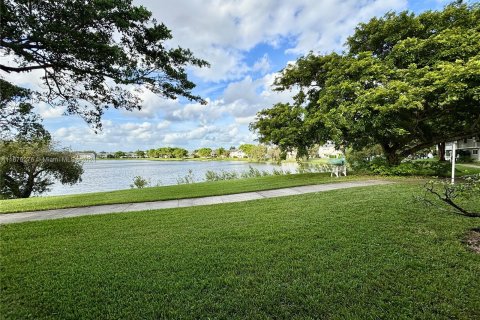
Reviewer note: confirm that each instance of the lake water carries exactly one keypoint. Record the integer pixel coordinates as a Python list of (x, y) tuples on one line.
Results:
[(108, 175)]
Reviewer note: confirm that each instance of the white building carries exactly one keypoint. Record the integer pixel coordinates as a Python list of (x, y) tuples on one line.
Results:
[(237, 154), (292, 155), (85, 155), (132, 155), (471, 145), (106, 155), (328, 151)]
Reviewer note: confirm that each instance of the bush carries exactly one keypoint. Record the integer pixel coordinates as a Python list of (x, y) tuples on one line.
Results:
[(139, 182), (253, 173), (187, 179), (361, 160), (305, 167), (222, 175), (410, 168), (464, 156), (379, 166)]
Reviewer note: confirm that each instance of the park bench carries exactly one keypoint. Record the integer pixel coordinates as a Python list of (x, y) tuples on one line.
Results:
[(338, 167)]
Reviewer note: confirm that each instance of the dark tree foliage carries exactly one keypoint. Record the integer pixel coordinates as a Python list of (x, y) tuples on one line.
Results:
[(286, 127), (17, 119), (30, 167), (93, 54), (406, 83)]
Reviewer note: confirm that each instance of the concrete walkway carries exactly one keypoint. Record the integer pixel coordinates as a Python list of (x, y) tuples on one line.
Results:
[(191, 202)]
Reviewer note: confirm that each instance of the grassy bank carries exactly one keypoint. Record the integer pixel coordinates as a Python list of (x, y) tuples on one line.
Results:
[(469, 168), (363, 253), (167, 192), (186, 191)]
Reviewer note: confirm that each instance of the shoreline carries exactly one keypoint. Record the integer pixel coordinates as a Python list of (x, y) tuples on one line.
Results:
[(196, 159)]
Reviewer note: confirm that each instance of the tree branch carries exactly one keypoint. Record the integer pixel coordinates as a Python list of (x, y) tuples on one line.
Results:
[(24, 69)]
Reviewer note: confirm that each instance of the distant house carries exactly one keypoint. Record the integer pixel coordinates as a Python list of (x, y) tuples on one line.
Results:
[(470, 146), (85, 155), (328, 151), (291, 155), (132, 155), (235, 153), (104, 155)]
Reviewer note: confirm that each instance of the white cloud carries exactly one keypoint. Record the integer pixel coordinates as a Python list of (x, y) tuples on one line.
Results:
[(241, 90), (223, 31), (225, 64), (240, 99), (31, 80), (262, 64), (48, 112), (222, 122), (163, 125)]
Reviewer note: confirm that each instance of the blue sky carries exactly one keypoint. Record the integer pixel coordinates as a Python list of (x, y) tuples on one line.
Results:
[(246, 42)]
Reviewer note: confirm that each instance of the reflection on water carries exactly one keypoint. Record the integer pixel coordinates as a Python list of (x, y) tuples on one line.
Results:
[(108, 175)]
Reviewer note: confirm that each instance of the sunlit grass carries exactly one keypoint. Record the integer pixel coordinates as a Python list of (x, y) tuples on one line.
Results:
[(363, 253)]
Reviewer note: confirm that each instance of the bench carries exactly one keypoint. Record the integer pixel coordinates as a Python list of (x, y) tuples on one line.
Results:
[(337, 167)]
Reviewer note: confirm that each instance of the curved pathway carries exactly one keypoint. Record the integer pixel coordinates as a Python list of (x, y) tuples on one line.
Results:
[(190, 202)]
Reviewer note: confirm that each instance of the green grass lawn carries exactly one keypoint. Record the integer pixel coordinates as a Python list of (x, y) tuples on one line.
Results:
[(468, 169), (362, 253), (167, 192)]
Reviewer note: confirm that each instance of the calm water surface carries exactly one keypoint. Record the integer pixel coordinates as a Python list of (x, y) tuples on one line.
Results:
[(108, 175)]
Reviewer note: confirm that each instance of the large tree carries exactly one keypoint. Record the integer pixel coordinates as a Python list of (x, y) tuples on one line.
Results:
[(93, 54), (405, 82), (204, 152), (31, 167)]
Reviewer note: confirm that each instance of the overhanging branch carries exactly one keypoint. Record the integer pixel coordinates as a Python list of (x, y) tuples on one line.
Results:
[(24, 69)]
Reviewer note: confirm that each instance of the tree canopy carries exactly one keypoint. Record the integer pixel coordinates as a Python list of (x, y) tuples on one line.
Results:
[(406, 82), (93, 54), (17, 118), (168, 152), (204, 152)]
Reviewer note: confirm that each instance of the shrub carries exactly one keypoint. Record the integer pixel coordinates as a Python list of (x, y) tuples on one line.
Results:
[(188, 178), (222, 175), (464, 156), (252, 173), (410, 168), (139, 182), (360, 160), (305, 167)]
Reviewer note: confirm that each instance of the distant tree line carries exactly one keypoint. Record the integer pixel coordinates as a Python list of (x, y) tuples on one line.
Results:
[(167, 153), (245, 151)]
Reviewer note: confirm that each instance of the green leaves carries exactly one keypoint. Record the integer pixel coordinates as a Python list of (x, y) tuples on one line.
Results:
[(92, 53), (17, 119), (284, 125), (406, 83)]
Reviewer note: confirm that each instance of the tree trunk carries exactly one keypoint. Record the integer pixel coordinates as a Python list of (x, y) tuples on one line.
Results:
[(393, 158), (26, 193), (441, 151), (28, 188)]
